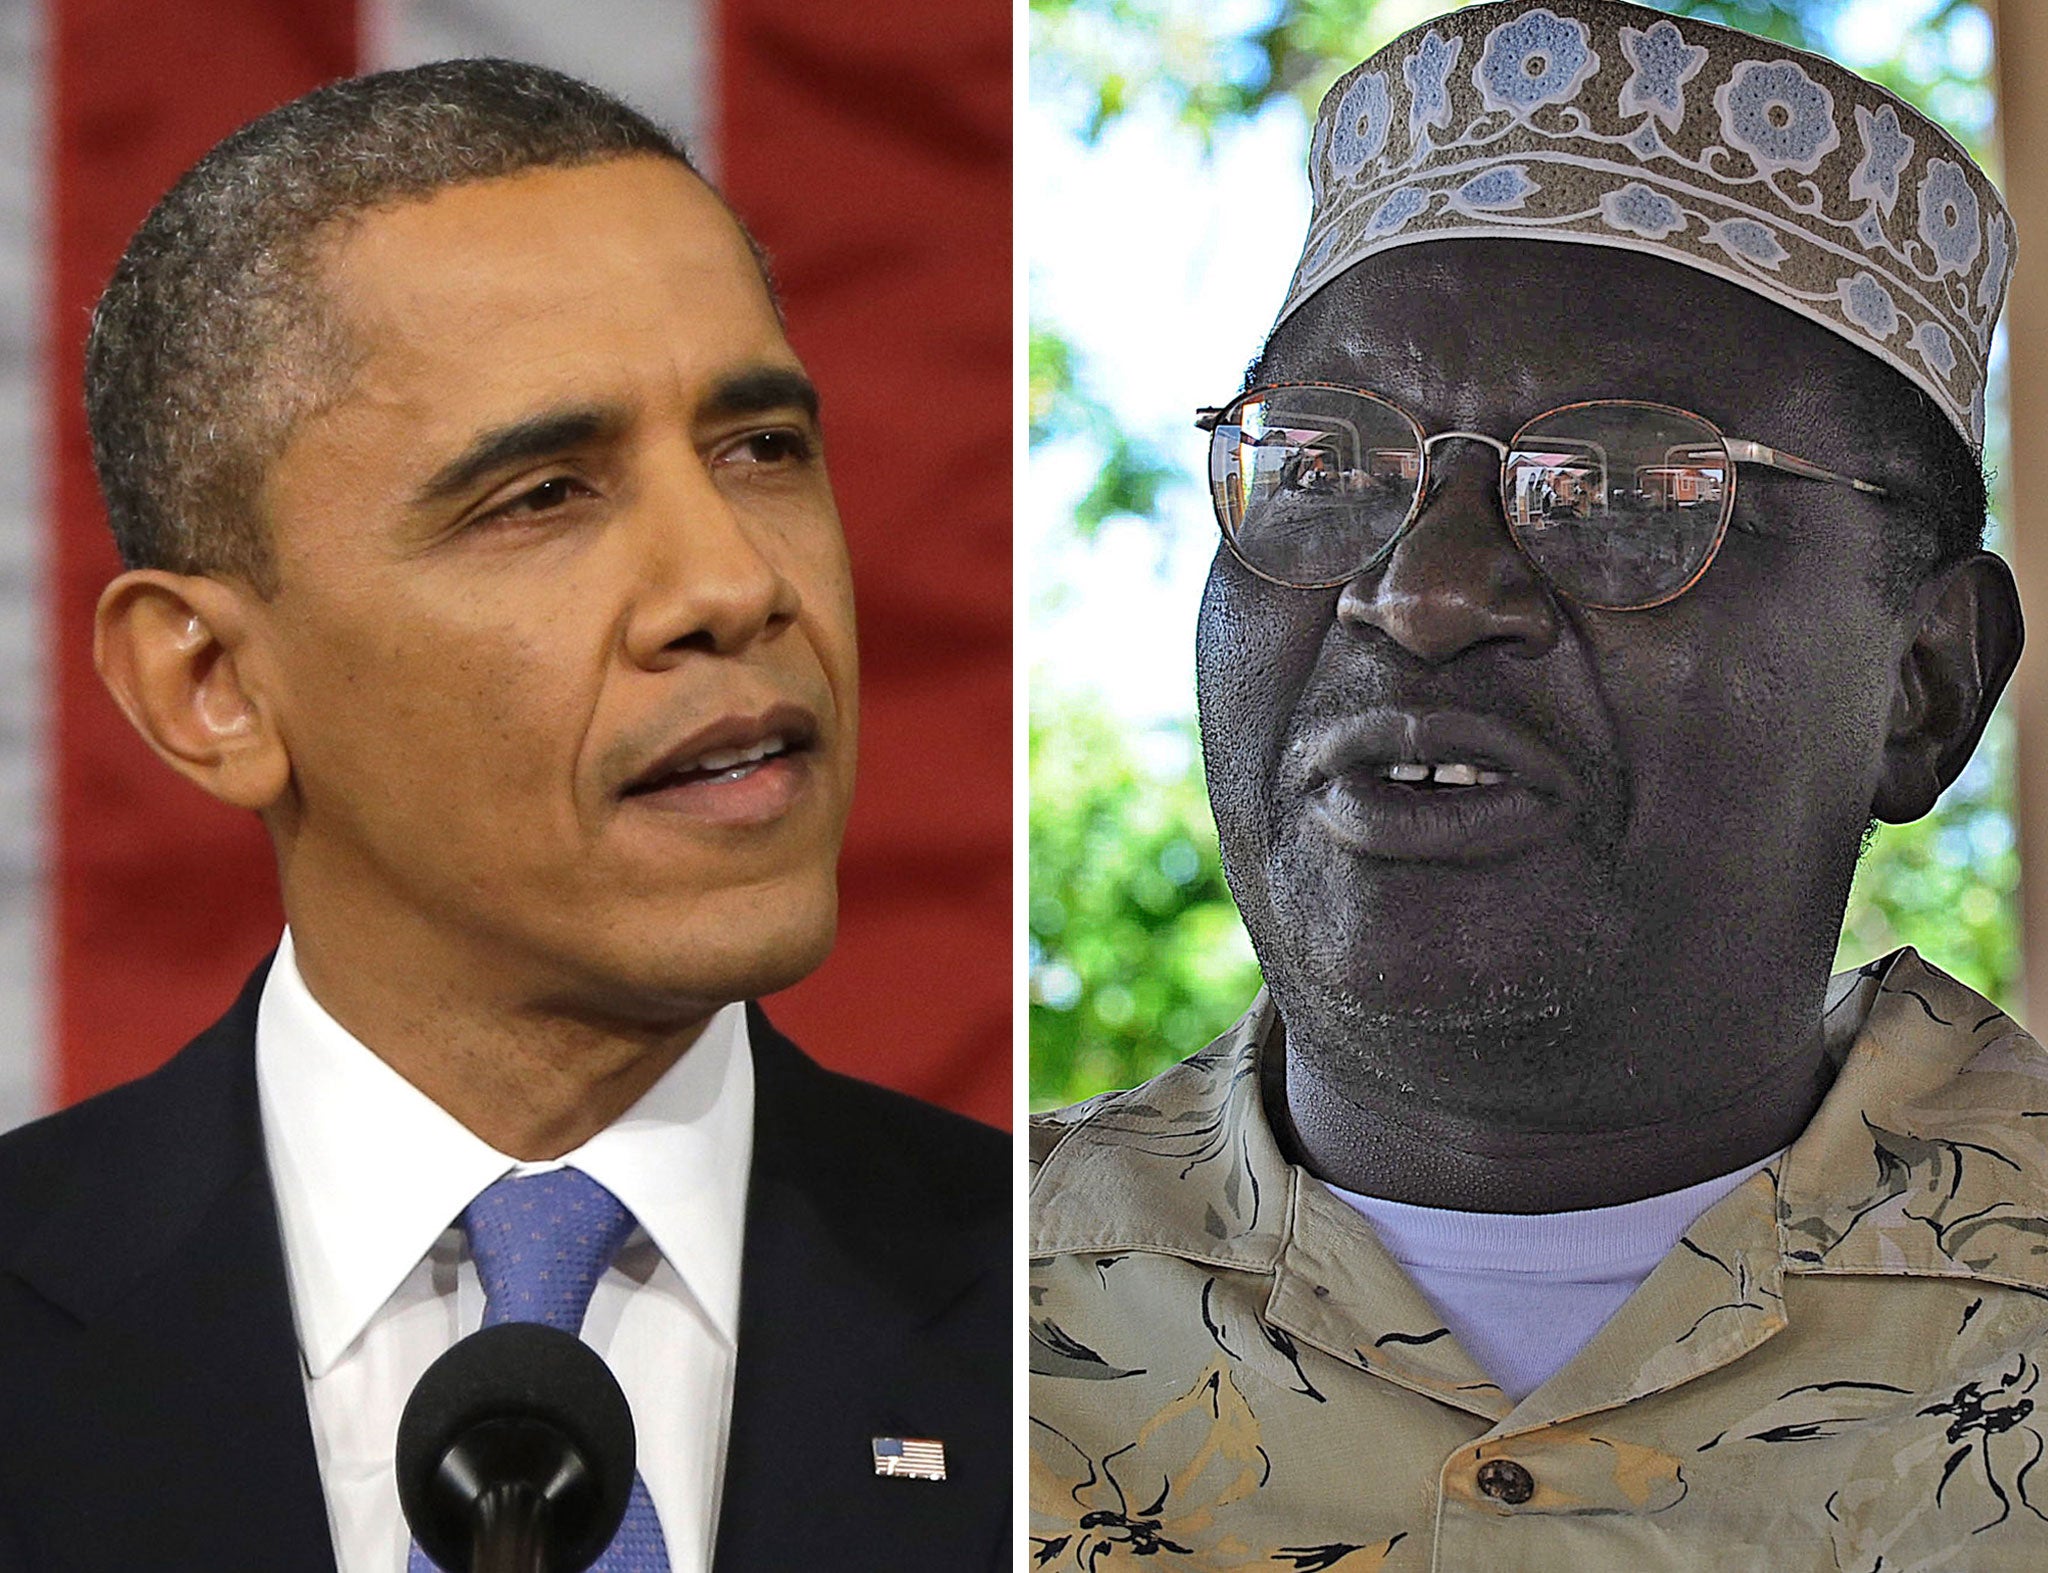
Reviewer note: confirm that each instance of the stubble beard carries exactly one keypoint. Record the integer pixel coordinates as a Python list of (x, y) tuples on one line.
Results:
[(1447, 991)]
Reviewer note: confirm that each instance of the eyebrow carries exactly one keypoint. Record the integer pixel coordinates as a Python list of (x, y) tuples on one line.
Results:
[(752, 392), (501, 447), (761, 389)]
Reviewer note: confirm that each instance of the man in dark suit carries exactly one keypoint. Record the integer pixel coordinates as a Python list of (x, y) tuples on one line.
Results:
[(479, 539)]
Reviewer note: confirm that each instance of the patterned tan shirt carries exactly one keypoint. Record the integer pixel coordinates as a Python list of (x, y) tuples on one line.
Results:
[(1839, 1367)]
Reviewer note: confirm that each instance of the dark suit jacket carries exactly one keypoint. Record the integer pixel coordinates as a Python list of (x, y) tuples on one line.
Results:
[(152, 1410)]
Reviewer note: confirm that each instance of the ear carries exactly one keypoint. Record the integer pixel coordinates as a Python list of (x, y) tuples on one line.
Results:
[(175, 651), (1964, 648)]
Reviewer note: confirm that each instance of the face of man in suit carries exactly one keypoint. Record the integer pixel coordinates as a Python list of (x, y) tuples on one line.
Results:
[(552, 709)]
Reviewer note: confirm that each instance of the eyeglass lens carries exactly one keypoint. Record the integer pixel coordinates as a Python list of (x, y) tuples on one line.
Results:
[(1620, 504)]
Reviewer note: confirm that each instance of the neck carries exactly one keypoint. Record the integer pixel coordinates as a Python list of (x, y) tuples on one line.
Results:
[(526, 1075), (1599, 1120)]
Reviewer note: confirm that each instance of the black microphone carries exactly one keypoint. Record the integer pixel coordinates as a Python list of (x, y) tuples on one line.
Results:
[(515, 1454)]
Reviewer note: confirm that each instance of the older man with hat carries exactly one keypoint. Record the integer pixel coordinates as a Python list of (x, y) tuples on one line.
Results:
[(1601, 554)]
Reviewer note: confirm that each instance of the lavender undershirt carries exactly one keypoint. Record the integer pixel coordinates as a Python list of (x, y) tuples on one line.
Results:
[(1525, 1292)]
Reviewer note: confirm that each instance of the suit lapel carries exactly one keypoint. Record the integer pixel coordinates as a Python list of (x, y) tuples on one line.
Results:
[(175, 1398), (839, 1283), (167, 1390)]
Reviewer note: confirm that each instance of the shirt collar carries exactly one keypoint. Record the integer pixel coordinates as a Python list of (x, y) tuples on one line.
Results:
[(1929, 1154), (369, 1171)]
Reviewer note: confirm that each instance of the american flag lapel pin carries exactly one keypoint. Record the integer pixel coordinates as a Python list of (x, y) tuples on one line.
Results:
[(918, 1457)]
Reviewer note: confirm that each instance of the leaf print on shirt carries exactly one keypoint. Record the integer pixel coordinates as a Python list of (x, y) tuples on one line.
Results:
[(1883, 1419), (1054, 1352), (1997, 1428), (1315, 1559), (1943, 1193), (1160, 1493), (1745, 1291), (1817, 1411), (1252, 1350), (1918, 1476), (1204, 1132), (1651, 1478)]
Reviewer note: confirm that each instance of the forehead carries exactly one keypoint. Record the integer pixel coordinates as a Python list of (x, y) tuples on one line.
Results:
[(1484, 333), (630, 268)]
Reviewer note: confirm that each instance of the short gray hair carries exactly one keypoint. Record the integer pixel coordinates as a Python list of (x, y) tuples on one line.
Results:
[(213, 338)]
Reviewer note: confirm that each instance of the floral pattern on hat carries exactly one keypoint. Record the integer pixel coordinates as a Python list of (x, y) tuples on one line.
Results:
[(1778, 115), (1664, 63), (1608, 123), (1869, 305), (1537, 59), (1428, 75), (1641, 211), (1359, 129), (1949, 222), (1886, 150), (1500, 189)]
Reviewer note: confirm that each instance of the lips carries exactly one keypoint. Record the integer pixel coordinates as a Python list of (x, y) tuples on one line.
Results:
[(1436, 785), (739, 767)]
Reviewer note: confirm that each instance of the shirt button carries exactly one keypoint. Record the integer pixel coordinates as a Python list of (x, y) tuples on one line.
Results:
[(1506, 1481)]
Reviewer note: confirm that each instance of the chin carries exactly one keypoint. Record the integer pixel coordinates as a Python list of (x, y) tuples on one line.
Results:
[(719, 952), (1448, 1004), (1433, 967)]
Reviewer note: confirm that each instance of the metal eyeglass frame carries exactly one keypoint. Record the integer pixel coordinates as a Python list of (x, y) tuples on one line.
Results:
[(1740, 450)]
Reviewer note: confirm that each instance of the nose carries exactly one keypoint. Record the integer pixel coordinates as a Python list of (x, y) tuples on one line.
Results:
[(706, 575), (1455, 579)]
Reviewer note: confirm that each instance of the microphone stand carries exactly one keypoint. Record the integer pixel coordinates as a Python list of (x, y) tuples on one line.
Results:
[(510, 1524), (515, 1453)]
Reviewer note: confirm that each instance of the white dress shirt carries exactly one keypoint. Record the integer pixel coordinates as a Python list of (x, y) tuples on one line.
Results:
[(370, 1174)]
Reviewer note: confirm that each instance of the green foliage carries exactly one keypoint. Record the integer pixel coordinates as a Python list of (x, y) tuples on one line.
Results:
[(1130, 471), (1052, 385), (1103, 59), (1948, 884), (1137, 957)]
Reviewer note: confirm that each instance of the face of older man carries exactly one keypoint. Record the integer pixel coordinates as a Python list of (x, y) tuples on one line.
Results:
[(563, 651), (1684, 786)]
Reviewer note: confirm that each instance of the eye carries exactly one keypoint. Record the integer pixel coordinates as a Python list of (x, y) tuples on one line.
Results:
[(556, 492), (779, 447)]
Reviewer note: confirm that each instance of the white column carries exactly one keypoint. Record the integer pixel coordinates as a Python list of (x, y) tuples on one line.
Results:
[(655, 54), (2022, 67), (27, 1074)]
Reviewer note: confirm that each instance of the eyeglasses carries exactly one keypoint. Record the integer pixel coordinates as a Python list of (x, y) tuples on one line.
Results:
[(1620, 504)]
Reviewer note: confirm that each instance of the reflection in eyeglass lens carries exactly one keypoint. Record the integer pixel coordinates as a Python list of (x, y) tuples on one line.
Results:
[(1311, 482), (1619, 504)]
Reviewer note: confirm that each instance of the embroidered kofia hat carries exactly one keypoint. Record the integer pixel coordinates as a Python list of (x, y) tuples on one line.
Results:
[(1614, 125)]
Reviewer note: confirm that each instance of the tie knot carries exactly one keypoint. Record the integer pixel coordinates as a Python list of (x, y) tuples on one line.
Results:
[(541, 1242)]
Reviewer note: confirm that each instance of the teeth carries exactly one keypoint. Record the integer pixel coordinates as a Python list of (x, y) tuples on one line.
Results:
[(1457, 775), (733, 758)]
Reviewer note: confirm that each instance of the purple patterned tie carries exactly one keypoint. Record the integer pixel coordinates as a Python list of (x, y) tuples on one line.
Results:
[(541, 1242)]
